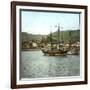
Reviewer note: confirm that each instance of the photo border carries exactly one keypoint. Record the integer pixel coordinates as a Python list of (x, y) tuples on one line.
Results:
[(13, 44)]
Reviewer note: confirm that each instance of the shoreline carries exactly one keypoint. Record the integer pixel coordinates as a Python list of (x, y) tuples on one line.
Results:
[(30, 49)]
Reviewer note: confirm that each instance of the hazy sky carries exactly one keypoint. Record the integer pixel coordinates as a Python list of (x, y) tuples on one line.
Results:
[(43, 22)]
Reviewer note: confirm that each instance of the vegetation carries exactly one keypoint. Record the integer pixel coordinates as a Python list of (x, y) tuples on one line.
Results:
[(29, 40), (66, 36), (27, 36)]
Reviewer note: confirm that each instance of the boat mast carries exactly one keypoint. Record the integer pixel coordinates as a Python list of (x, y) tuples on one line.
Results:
[(59, 36), (51, 40), (70, 32)]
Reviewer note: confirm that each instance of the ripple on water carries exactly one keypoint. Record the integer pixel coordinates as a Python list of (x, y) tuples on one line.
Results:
[(34, 64)]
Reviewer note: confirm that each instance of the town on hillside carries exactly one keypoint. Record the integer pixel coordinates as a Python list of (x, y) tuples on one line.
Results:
[(58, 43)]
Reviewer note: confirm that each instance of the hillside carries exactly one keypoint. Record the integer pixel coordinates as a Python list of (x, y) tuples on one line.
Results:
[(26, 36), (73, 35)]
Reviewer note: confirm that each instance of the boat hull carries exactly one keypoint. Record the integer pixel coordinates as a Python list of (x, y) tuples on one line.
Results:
[(54, 52)]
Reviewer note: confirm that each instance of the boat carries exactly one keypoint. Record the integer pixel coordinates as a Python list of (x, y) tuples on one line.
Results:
[(73, 50), (55, 52)]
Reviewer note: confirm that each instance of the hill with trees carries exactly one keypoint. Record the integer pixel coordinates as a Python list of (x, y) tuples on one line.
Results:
[(65, 36)]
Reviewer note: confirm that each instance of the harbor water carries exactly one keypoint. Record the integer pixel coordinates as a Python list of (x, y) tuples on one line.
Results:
[(34, 64)]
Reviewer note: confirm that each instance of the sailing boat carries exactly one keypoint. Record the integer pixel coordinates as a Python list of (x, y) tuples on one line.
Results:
[(54, 52), (75, 50)]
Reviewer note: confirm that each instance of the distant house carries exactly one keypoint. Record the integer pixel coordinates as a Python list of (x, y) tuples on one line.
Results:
[(34, 45)]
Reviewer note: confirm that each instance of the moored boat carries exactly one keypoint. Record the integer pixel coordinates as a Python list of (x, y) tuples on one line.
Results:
[(74, 51), (55, 52)]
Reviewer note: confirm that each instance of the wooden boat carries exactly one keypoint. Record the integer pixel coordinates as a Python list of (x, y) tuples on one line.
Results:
[(54, 52), (74, 51)]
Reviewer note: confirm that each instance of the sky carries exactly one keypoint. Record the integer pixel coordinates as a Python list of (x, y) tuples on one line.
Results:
[(44, 22)]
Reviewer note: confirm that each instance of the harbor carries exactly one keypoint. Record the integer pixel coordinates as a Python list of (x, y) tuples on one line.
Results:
[(46, 58), (56, 45), (50, 45), (34, 64)]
